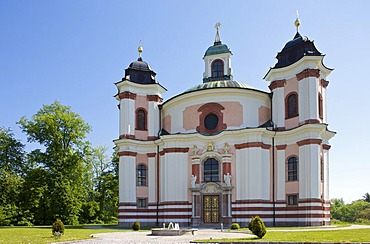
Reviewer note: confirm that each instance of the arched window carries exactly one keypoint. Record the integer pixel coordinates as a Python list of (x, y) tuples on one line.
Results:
[(217, 68), (320, 107), (141, 119), (141, 175), (211, 170), (292, 168), (292, 105)]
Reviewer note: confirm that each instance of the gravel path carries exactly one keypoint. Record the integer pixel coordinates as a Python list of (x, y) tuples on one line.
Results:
[(145, 237), (142, 237)]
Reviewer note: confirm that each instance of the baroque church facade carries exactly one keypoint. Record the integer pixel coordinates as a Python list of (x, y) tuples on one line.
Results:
[(223, 151)]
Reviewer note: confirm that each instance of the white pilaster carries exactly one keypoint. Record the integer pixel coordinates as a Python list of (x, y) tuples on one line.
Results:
[(278, 107), (152, 179), (309, 171), (280, 182), (174, 177), (153, 118), (127, 179), (127, 117)]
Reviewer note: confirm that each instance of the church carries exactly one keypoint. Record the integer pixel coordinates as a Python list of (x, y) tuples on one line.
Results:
[(223, 151)]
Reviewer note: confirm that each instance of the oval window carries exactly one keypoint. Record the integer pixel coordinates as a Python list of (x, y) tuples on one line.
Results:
[(211, 122)]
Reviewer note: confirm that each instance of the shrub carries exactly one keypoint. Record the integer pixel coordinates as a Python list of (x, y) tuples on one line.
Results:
[(136, 225), (235, 226), (257, 227), (58, 228)]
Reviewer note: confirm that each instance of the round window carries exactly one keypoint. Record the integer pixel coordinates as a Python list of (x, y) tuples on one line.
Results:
[(211, 122)]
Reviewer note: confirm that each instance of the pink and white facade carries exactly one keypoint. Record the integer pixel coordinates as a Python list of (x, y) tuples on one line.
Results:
[(222, 151)]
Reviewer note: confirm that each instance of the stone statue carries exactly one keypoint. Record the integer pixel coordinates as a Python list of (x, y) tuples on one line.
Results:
[(193, 179), (210, 147), (226, 147), (195, 150), (227, 179)]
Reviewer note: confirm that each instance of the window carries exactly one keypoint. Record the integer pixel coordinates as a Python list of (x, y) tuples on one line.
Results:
[(320, 107), (141, 119), (292, 105), (210, 170), (217, 68), (142, 203), (211, 121), (141, 175), (292, 169), (292, 200)]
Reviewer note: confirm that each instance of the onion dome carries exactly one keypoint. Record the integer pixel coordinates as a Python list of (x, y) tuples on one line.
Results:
[(140, 71), (296, 49)]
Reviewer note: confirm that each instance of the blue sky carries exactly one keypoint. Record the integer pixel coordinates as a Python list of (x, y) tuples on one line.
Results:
[(74, 51)]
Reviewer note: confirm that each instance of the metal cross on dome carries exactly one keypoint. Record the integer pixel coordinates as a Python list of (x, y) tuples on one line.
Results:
[(217, 39)]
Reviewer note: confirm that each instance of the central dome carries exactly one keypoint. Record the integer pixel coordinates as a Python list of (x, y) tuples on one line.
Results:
[(220, 84)]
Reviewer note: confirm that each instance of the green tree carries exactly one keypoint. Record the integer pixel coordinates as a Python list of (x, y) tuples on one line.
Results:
[(366, 197), (61, 133), (12, 168), (102, 201)]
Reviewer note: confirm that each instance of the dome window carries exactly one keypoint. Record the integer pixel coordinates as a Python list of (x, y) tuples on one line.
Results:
[(217, 68), (211, 122)]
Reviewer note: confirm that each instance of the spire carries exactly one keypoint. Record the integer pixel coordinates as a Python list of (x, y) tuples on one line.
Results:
[(217, 38), (140, 50), (297, 22)]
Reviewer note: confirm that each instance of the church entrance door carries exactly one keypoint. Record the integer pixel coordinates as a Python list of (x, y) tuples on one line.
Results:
[(211, 208)]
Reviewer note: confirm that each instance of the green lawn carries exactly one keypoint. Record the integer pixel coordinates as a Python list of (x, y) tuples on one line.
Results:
[(42, 234), (355, 235)]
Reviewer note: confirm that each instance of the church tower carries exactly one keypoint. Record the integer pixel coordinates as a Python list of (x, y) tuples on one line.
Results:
[(217, 60), (139, 96), (298, 84)]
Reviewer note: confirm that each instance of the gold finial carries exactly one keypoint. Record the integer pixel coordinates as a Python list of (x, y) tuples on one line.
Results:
[(140, 49), (297, 21)]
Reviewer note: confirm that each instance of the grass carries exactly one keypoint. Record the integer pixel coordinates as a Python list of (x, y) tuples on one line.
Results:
[(352, 235), (42, 234)]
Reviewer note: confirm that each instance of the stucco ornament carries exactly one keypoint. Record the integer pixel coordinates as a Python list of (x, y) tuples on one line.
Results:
[(226, 147), (195, 150), (193, 179), (210, 147), (227, 179)]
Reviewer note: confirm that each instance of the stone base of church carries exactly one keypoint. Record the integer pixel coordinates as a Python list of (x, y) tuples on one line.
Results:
[(195, 221)]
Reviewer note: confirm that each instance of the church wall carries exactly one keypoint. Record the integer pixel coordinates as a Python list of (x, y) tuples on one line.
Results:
[(167, 123), (127, 179), (174, 177), (153, 119), (252, 174), (127, 123), (142, 191), (264, 114), (278, 107), (151, 180)]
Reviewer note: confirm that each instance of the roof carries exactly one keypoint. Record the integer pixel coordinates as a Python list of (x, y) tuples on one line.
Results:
[(296, 49), (217, 48), (220, 84), (140, 65)]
